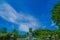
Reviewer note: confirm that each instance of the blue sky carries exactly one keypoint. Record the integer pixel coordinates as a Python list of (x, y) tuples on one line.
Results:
[(23, 14)]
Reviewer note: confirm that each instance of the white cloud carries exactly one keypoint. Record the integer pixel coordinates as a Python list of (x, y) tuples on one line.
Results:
[(23, 20), (25, 27)]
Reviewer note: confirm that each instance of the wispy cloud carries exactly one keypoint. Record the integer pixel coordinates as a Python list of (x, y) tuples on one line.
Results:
[(24, 21)]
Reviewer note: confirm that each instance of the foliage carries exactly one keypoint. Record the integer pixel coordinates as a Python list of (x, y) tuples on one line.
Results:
[(4, 33), (56, 14), (38, 33), (23, 36), (43, 33), (15, 33)]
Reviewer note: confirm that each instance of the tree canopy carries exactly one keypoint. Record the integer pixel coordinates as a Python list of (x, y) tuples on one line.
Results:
[(43, 33), (56, 14)]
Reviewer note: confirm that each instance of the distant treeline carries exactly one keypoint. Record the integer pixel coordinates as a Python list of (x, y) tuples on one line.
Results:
[(41, 33)]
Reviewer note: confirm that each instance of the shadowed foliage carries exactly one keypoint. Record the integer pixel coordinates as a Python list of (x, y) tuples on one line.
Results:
[(56, 14)]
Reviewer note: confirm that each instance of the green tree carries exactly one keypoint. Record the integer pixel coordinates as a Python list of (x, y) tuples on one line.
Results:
[(4, 30), (56, 14), (43, 33), (15, 33)]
